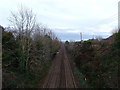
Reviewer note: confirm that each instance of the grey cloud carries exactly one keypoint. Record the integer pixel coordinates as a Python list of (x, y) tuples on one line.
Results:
[(88, 16)]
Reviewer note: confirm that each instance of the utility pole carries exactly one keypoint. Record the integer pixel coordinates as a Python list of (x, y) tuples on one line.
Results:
[(81, 36), (93, 37)]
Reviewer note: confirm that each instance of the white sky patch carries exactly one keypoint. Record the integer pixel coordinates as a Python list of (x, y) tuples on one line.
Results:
[(73, 31), (68, 16)]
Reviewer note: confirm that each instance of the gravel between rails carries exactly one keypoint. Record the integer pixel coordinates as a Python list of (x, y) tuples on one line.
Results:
[(60, 74)]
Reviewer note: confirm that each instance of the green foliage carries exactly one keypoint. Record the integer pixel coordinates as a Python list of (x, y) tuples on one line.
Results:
[(88, 43), (117, 40), (28, 50), (21, 61), (83, 53), (9, 51), (41, 54), (98, 62)]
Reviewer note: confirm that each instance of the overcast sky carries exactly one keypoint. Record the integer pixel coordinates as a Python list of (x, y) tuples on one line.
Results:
[(67, 18)]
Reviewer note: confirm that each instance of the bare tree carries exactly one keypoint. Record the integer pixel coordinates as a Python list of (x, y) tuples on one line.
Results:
[(24, 22)]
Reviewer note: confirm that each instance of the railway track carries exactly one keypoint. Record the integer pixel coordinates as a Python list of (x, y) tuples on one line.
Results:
[(60, 74)]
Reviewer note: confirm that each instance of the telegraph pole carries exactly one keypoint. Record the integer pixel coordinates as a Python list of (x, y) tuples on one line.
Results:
[(81, 36), (93, 37)]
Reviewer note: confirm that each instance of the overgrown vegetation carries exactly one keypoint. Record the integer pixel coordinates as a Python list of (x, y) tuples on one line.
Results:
[(27, 51), (96, 61)]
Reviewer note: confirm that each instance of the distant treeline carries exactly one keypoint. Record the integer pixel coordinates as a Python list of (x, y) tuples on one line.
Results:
[(96, 61), (27, 50)]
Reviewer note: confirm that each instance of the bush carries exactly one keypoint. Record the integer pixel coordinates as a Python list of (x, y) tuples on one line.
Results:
[(98, 62)]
